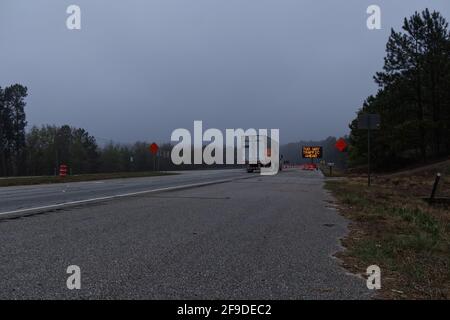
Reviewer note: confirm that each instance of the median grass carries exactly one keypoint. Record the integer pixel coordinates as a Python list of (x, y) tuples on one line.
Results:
[(22, 181), (392, 227)]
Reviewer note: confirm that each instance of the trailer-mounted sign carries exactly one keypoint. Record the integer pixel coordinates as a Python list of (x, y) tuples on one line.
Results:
[(312, 152)]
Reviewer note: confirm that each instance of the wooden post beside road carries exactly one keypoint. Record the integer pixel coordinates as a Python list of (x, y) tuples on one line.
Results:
[(436, 183), (331, 165), (368, 154)]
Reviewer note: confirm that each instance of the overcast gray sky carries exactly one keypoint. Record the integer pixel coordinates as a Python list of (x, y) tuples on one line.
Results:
[(137, 70)]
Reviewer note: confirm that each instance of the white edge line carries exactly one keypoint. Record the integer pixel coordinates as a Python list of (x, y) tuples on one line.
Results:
[(114, 197)]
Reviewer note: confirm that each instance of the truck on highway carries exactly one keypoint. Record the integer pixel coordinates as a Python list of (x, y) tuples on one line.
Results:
[(252, 158)]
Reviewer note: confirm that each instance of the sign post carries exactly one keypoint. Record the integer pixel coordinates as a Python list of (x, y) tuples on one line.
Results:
[(369, 122), (331, 165), (154, 150)]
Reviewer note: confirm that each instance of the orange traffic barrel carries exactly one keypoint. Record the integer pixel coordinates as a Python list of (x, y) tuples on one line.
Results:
[(62, 170)]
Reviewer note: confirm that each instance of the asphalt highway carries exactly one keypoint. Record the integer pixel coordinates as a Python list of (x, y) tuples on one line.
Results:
[(258, 238), (22, 199)]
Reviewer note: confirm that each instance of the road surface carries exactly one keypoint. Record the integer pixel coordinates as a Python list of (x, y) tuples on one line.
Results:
[(258, 238), (23, 199)]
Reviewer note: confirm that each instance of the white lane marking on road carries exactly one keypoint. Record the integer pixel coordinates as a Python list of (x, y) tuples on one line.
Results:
[(113, 197)]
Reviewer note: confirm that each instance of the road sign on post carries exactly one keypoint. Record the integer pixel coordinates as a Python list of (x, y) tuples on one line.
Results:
[(369, 122), (154, 150), (341, 144)]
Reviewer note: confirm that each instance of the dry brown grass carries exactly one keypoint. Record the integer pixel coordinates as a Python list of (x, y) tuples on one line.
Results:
[(395, 229)]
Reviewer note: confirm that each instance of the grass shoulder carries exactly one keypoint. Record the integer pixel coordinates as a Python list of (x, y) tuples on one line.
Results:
[(335, 172), (392, 227)]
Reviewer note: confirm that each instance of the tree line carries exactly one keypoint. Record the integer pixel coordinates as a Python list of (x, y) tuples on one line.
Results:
[(413, 99), (48, 147), (41, 150)]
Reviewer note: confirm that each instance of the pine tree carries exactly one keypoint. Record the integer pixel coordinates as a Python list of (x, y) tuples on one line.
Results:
[(413, 99)]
